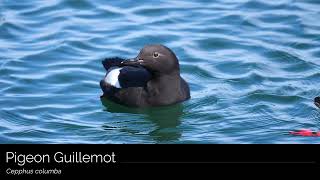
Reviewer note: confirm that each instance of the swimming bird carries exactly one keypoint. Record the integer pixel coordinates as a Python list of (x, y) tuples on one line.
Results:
[(317, 101), (150, 79), (308, 132)]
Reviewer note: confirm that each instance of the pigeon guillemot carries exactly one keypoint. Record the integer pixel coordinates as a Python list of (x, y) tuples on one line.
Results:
[(151, 79), (317, 101)]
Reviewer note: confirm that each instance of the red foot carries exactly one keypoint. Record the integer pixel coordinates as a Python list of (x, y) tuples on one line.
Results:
[(305, 132)]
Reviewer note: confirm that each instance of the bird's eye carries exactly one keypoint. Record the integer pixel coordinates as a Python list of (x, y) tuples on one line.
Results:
[(155, 54)]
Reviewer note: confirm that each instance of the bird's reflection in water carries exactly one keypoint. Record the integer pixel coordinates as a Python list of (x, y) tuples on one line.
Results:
[(166, 119)]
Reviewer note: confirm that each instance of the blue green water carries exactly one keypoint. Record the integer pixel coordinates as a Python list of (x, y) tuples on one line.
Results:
[(253, 67)]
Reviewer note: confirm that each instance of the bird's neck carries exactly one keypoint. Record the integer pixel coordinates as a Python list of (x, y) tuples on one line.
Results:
[(167, 76), (167, 82)]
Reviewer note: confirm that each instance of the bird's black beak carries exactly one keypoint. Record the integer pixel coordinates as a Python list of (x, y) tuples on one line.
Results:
[(130, 62)]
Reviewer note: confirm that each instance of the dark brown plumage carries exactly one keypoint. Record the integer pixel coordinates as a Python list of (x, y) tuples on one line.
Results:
[(166, 86)]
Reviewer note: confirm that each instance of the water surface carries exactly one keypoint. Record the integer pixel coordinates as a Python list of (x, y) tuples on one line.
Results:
[(253, 67)]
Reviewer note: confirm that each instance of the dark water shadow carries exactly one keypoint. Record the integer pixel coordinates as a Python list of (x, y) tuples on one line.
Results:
[(167, 119)]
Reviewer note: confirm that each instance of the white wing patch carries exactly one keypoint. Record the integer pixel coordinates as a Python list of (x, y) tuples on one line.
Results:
[(112, 77)]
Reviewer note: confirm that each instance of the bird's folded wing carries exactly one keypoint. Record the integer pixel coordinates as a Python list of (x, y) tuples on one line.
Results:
[(111, 62), (134, 76)]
